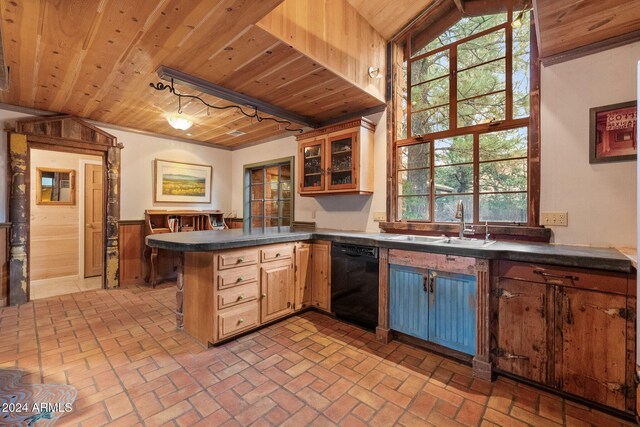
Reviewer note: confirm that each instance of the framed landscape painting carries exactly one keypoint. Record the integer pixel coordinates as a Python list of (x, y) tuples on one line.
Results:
[(182, 182), (613, 132)]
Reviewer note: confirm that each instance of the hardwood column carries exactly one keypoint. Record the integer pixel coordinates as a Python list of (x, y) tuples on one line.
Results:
[(180, 292), (482, 359), (19, 217), (382, 331)]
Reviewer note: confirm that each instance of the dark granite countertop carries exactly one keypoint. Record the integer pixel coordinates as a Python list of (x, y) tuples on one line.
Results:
[(564, 255)]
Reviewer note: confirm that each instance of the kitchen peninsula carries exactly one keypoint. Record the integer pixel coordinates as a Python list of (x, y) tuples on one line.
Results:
[(235, 281)]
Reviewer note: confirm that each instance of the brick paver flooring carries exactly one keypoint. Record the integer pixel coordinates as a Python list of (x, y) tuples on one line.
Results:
[(121, 350)]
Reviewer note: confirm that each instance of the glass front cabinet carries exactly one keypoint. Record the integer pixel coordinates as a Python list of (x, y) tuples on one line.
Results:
[(337, 159)]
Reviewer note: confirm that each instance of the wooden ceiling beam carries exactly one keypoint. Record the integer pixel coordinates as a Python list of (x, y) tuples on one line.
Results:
[(459, 5), (335, 35), (213, 89)]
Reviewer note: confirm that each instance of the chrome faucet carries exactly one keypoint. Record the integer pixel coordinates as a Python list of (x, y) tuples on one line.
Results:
[(460, 215)]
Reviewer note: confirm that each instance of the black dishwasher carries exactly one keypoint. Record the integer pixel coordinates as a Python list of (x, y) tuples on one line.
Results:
[(354, 284)]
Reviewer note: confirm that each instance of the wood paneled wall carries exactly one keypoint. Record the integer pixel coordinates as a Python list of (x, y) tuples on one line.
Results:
[(4, 264), (131, 252)]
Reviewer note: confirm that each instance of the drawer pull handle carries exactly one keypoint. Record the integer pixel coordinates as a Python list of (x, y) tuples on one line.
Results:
[(241, 320), (277, 254), (240, 259), (555, 276), (240, 297), (239, 279)]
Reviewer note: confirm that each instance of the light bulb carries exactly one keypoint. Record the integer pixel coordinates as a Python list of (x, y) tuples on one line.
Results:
[(179, 122)]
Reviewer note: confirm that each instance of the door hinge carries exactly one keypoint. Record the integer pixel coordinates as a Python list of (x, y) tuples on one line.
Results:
[(503, 354), (622, 312)]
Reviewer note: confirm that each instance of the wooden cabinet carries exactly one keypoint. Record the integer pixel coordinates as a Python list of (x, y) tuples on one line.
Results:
[(302, 266), (320, 274), (230, 292), (337, 159), (525, 325), (591, 360), (433, 305), (567, 328), (277, 290)]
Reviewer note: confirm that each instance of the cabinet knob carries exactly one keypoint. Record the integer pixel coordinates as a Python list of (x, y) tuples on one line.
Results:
[(240, 297), (239, 279), (241, 259), (241, 320), (277, 254), (264, 295)]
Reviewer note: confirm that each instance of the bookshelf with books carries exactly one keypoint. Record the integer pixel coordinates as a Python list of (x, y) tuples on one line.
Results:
[(160, 265)]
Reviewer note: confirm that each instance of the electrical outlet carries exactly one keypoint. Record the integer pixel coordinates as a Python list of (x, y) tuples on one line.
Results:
[(555, 219), (379, 216)]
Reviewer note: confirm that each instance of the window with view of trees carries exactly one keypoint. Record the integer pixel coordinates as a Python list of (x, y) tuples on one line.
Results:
[(268, 201), (462, 118)]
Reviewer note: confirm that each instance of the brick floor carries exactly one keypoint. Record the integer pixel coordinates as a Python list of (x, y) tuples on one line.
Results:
[(121, 350)]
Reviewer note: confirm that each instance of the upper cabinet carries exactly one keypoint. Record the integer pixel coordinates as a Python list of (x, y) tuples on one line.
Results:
[(337, 159)]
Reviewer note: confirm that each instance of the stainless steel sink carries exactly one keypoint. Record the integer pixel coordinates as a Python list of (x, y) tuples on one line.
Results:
[(416, 239), (470, 243)]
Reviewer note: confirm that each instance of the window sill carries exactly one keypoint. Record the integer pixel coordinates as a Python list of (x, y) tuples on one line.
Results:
[(498, 232)]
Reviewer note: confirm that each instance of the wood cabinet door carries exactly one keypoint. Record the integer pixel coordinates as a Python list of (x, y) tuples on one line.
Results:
[(320, 273), (302, 270), (523, 329), (277, 291), (343, 162), (593, 346), (312, 166)]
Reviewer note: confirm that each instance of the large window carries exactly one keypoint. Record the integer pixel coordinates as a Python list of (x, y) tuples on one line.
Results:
[(268, 198), (462, 119)]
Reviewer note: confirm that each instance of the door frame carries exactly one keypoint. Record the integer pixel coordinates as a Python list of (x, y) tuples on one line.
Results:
[(59, 133), (82, 215)]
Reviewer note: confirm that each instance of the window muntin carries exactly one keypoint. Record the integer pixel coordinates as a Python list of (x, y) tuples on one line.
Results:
[(457, 85), (270, 195)]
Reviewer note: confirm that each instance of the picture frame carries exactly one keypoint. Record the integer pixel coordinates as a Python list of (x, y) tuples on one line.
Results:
[(179, 182), (613, 132)]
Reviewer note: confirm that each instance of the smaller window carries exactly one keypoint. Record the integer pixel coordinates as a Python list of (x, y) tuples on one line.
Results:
[(268, 196)]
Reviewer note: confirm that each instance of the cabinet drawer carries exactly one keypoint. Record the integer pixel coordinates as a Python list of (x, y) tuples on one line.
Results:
[(237, 277), (276, 253), (604, 281), (235, 321), (237, 295), (233, 259)]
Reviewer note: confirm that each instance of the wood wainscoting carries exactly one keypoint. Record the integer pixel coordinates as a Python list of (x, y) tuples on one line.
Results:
[(4, 264), (131, 249)]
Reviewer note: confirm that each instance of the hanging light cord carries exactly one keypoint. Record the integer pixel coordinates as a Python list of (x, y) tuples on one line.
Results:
[(254, 114)]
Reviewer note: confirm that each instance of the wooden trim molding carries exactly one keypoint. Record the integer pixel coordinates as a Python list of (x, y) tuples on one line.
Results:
[(382, 330), (49, 133), (498, 232), (366, 123), (482, 361)]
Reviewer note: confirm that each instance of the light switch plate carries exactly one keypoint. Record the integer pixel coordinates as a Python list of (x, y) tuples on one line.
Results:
[(379, 216), (557, 219)]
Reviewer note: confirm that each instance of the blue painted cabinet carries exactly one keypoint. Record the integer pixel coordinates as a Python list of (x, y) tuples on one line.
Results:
[(435, 306)]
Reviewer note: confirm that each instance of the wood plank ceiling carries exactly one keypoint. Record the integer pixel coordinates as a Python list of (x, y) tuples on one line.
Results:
[(96, 58), (388, 17), (572, 28)]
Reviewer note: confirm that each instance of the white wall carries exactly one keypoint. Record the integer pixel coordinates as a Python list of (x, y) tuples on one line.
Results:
[(137, 171), (600, 198), (344, 212), (138, 155)]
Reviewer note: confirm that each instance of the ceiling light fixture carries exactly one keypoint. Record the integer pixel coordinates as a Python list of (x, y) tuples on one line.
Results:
[(253, 114), (179, 122)]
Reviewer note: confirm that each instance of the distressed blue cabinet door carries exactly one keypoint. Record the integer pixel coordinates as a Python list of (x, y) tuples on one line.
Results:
[(408, 302), (452, 311)]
